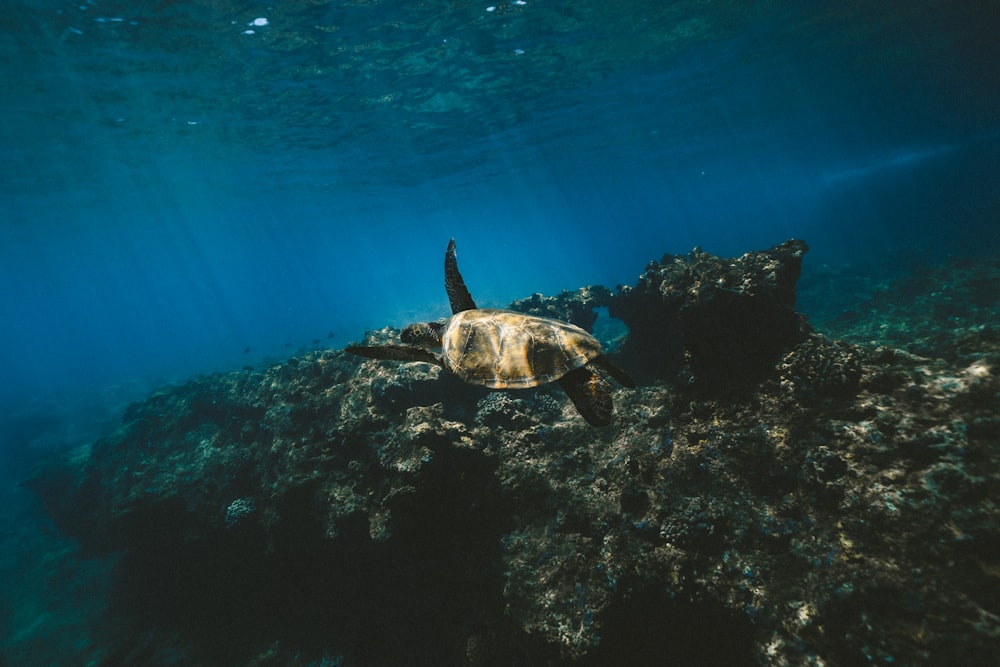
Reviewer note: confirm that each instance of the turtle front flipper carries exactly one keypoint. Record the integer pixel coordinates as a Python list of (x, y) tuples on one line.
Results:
[(458, 294), (590, 393), (394, 352)]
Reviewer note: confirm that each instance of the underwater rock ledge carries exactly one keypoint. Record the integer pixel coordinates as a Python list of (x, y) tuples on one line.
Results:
[(768, 496)]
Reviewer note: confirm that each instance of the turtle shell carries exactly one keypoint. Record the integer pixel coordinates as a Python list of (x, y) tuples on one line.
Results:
[(501, 349)]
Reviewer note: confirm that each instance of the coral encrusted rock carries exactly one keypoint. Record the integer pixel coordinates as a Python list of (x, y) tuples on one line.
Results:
[(838, 507)]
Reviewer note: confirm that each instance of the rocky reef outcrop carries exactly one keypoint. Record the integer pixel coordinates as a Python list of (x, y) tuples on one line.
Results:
[(717, 321), (767, 496)]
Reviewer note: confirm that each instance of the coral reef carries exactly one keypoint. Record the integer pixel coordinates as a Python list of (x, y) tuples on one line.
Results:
[(950, 311), (768, 496)]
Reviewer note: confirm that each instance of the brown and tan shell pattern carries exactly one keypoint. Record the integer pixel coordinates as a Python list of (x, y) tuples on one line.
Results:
[(501, 349)]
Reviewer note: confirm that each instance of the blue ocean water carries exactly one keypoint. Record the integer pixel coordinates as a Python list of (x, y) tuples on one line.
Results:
[(195, 186)]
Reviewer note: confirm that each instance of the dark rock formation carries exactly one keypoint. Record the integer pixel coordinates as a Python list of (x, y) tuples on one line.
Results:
[(840, 507), (722, 322)]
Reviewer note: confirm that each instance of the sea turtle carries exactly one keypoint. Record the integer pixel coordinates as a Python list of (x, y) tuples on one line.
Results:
[(503, 349)]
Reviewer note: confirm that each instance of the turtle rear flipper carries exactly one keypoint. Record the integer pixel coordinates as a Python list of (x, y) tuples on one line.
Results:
[(458, 293), (590, 393), (394, 352), (614, 371)]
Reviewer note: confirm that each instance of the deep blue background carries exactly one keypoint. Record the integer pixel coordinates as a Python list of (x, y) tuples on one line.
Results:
[(179, 197)]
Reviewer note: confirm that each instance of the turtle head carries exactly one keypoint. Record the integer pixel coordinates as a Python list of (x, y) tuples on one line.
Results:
[(424, 334)]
